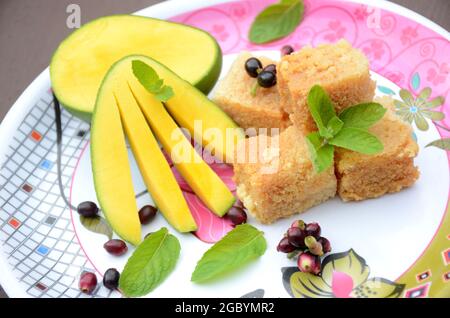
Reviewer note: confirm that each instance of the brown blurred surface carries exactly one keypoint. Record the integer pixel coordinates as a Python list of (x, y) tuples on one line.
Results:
[(30, 30)]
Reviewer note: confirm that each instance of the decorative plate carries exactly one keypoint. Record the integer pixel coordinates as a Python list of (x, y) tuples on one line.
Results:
[(394, 246)]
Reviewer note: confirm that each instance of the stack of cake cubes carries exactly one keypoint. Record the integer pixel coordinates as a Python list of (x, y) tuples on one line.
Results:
[(285, 182)]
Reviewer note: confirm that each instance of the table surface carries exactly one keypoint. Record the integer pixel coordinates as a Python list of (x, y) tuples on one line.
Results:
[(41, 26)]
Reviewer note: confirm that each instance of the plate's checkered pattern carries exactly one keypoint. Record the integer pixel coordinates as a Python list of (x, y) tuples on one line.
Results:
[(35, 224)]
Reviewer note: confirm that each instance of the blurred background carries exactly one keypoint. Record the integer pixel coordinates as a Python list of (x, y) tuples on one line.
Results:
[(30, 30)]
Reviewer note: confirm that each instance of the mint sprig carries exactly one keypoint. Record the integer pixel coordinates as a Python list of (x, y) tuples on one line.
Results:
[(347, 130), (152, 261), (276, 21), (148, 77), (241, 245)]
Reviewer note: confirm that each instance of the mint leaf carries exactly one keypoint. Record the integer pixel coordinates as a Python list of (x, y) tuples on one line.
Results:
[(164, 94), (362, 115), (148, 78), (321, 109), (150, 264), (334, 125), (358, 140), (241, 245), (321, 155), (276, 21)]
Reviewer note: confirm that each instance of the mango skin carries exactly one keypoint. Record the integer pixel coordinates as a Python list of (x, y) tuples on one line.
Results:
[(82, 60)]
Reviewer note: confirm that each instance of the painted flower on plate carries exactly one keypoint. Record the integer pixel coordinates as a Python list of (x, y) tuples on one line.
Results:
[(438, 75), (338, 31), (418, 109), (408, 34), (375, 49), (344, 275)]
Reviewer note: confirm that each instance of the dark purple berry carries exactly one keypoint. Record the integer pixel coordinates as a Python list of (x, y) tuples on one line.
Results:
[(296, 237), (88, 282), (111, 278), (271, 68), (284, 246), (236, 216), (267, 79), (253, 66), (147, 213), (87, 209), (309, 263), (313, 229), (326, 245), (116, 247), (287, 50)]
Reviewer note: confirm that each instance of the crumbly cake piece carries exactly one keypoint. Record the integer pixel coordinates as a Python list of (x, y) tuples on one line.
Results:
[(234, 97), (340, 69), (369, 176), (286, 182)]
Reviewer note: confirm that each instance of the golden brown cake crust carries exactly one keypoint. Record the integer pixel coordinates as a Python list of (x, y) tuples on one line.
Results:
[(369, 176), (340, 69), (293, 188), (233, 96)]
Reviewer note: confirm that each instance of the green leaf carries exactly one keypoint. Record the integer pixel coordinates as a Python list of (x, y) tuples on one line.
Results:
[(276, 21), (443, 143), (321, 155), (148, 78), (97, 225), (362, 115), (150, 264), (321, 109), (241, 245), (334, 125), (358, 140), (164, 94)]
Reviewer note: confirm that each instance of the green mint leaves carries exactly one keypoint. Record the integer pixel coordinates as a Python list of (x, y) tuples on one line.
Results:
[(276, 21), (148, 77), (241, 245), (152, 261), (346, 130)]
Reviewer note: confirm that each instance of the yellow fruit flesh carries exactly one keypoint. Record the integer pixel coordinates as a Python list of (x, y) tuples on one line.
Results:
[(83, 59), (111, 169), (154, 168), (189, 106), (202, 179)]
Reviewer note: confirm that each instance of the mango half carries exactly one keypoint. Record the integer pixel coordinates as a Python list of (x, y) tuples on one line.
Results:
[(82, 60)]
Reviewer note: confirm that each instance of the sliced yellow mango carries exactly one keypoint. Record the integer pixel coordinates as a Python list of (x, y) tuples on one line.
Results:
[(194, 111), (155, 170), (111, 168), (201, 178)]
